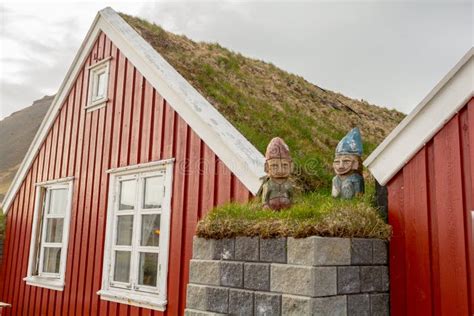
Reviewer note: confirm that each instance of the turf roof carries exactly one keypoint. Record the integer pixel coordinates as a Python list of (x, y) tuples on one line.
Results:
[(263, 101)]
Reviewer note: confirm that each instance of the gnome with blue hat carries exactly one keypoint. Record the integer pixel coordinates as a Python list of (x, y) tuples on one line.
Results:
[(347, 164)]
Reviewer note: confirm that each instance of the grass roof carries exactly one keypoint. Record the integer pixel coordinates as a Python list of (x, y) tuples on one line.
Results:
[(263, 101)]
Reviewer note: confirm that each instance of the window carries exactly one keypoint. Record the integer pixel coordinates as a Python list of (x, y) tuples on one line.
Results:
[(137, 235), (98, 84), (48, 249)]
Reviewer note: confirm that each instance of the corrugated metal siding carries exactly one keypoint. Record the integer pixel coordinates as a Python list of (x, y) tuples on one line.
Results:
[(136, 126), (430, 204)]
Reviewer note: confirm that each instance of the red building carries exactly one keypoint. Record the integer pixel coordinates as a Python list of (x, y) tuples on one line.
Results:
[(427, 165), (87, 232)]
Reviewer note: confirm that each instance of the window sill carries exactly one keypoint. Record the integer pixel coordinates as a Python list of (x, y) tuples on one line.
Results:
[(48, 283), (140, 300), (96, 105)]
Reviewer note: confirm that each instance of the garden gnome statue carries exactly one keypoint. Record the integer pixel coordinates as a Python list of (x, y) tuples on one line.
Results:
[(348, 181), (277, 190)]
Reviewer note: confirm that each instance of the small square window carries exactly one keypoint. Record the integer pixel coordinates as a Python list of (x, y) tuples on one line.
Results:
[(98, 84)]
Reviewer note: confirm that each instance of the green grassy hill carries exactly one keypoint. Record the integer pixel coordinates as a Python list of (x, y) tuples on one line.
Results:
[(17, 132), (263, 101)]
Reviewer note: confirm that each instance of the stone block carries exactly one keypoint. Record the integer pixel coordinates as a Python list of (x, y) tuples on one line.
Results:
[(257, 276), (231, 274), (319, 251), (241, 302), (325, 279), (273, 250), (296, 305), (204, 272), (207, 298), (217, 299), (291, 279), (348, 280), (196, 297), (212, 249), (247, 249), (330, 306), (267, 304), (203, 248), (301, 251), (372, 279), (379, 304), (361, 251), (379, 251), (358, 305)]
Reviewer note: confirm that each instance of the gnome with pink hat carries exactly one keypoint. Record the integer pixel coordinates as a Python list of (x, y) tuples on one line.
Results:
[(277, 190)]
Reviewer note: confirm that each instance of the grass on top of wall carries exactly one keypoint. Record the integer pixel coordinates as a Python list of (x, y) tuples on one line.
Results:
[(313, 214)]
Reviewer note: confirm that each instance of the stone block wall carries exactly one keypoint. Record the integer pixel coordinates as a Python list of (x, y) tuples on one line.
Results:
[(288, 276)]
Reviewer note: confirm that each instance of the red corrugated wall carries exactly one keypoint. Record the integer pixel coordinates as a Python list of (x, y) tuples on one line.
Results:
[(430, 204), (136, 126)]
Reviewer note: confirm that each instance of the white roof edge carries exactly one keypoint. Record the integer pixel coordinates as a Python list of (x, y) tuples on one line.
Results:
[(451, 93), (232, 148)]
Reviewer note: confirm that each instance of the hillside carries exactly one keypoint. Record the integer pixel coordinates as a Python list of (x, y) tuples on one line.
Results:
[(263, 101), (17, 132)]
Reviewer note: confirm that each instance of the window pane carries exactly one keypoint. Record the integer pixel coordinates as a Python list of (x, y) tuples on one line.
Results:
[(153, 192), (122, 266), (148, 269), (54, 230), (57, 201), (124, 230), (127, 194), (150, 233), (51, 260), (101, 81)]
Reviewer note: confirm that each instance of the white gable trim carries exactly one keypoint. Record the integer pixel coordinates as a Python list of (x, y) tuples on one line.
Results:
[(434, 111), (237, 153)]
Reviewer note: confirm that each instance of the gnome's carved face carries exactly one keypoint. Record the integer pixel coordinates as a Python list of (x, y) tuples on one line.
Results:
[(343, 164), (278, 162), (278, 167)]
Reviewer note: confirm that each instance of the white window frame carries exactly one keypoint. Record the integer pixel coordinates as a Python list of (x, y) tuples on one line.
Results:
[(54, 281), (148, 297), (101, 67)]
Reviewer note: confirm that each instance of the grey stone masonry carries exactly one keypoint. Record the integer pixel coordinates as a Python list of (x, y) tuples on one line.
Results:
[(212, 249), (348, 280), (319, 251), (204, 272), (292, 305), (247, 249), (273, 250), (257, 276), (267, 304), (288, 276), (241, 302), (231, 274)]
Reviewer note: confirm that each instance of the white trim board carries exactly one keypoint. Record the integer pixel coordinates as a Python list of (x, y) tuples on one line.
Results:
[(433, 112), (237, 153)]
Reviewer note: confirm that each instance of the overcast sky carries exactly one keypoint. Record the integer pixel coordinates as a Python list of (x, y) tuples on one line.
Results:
[(390, 53)]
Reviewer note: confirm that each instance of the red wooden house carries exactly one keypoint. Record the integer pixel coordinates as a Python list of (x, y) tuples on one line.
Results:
[(427, 164), (102, 212)]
